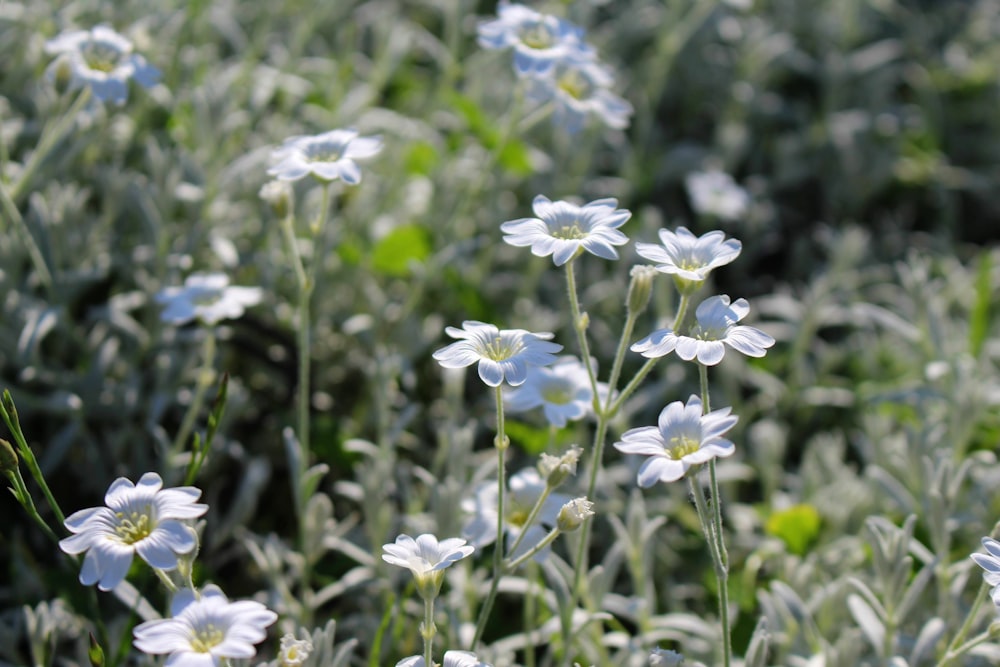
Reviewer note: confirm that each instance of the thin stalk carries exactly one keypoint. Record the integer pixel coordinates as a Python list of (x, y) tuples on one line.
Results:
[(501, 444), (22, 494), (544, 542), (428, 630), (9, 414), (953, 652), (204, 380), (529, 616), (580, 327), (532, 515), (34, 252)]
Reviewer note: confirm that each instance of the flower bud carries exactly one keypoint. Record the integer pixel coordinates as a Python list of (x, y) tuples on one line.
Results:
[(277, 195), (95, 653), (555, 469), (293, 651), (8, 458), (62, 74), (640, 288), (573, 514)]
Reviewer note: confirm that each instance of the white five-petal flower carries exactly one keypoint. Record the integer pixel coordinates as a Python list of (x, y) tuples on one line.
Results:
[(525, 488), (451, 659), (990, 562), (688, 257), (562, 390), (716, 194), (208, 297), (683, 437), (577, 88), (102, 60), (539, 40), (716, 327), (143, 519), (326, 156), (502, 354), (563, 229), (426, 558), (205, 630)]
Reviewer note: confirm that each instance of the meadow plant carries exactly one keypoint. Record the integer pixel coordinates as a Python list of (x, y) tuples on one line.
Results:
[(292, 416)]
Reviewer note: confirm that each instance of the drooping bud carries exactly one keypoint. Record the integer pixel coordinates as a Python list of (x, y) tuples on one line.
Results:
[(8, 458), (555, 469), (573, 514)]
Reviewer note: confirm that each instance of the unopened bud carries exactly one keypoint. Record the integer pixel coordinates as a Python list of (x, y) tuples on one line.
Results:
[(277, 195), (95, 653), (583, 322), (293, 651), (8, 458), (62, 74), (573, 514), (555, 469), (640, 288)]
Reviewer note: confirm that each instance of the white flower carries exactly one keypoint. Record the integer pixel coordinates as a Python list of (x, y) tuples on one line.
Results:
[(326, 156), (689, 257), (539, 40), (659, 657), (683, 437), (102, 60), (562, 390), (574, 513), (716, 325), (990, 562), (142, 519), (524, 490), (715, 193), (426, 558), (564, 230), (502, 354), (451, 659), (293, 651), (205, 629), (577, 88), (208, 297)]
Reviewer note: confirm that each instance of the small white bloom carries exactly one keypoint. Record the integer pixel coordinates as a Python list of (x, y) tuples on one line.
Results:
[(689, 257), (208, 297), (426, 558), (716, 326), (578, 88), (539, 40), (502, 354), (715, 193), (556, 469), (524, 490), (990, 562), (659, 657), (205, 630), (564, 230), (293, 651), (562, 390), (573, 514), (102, 60), (683, 437), (143, 519), (326, 156), (451, 659)]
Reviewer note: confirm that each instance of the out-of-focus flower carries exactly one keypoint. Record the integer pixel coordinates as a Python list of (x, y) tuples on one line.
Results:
[(451, 659), (716, 327), (99, 59), (143, 519), (539, 40), (524, 490), (426, 558), (208, 297), (564, 230), (502, 354), (716, 194), (293, 651), (277, 195), (206, 629), (326, 156), (555, 469), (562, 390), (683, 437), (659, 657), (578, 88), (990, 562), (687, 257)]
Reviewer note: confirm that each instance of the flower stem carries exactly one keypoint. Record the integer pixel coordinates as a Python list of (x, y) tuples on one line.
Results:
[(580, 326), (955, 648), (544, 542), (501, 442), (9, 413), (428, 630), (206, 374), (532, 515)]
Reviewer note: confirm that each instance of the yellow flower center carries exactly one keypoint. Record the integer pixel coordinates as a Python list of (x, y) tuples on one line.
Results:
[(101, 57), (206, 638), (574, 84), (571, 232), (517, 517), (207, 297), (680, 446), (536, 36), (324, 152), (558, 394), (499, 349), (134, 527)]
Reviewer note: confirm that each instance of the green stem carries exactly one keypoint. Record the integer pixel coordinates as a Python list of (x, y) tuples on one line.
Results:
[(529, 616), (428, 630), (165, 580), (22, 494), (206, 375), (952, 652), (34, 253), (544, 542), (9, 414), (501, 444), (580, 327), (532, 515)]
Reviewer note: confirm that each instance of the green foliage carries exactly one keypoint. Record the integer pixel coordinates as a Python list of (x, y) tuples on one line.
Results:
[(797, 526)]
